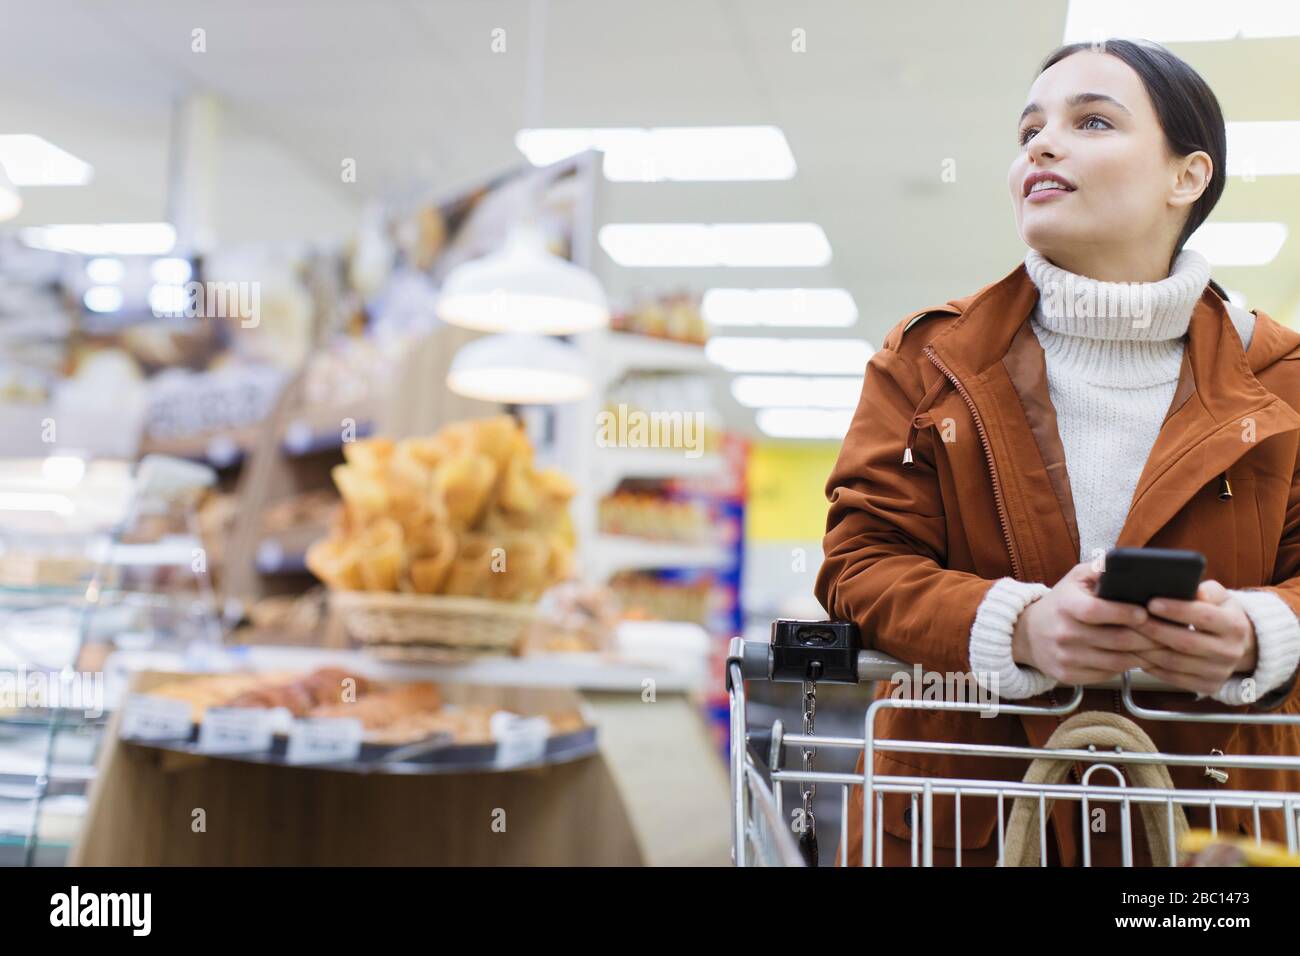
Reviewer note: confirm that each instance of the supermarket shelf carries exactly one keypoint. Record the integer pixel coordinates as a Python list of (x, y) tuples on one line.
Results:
[(612, 465), (286, 551), (167, 552), (612, 552), (629, 352), (303, 438), (222, 449), (273, 559), (673, 654), (436, 755)]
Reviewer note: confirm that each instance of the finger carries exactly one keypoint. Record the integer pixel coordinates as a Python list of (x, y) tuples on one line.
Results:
[(1200, 685), (1210, 618), (1111, 637), (1089, 609), (1212, 591), (1097, 659), (1194, 667), (1085, 575), (1083, 678), (1197, 643)]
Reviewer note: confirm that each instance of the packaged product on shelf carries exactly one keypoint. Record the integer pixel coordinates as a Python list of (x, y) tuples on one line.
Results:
[(667, 397), (653, 515), (675, 317)]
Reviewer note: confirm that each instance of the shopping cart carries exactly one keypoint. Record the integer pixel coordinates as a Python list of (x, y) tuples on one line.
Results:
[(812, 652)]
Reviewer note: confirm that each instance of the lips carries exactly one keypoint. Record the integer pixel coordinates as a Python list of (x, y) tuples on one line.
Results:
[(1060, 182)]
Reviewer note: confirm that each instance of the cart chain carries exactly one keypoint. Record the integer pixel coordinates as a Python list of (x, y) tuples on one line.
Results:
[(808, 838)]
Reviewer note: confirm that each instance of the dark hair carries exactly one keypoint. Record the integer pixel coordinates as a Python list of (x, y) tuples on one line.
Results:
[(1187, 108)]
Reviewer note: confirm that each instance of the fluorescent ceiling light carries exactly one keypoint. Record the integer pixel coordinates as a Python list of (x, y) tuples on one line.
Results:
[(171, 271), (11, 202), (103, 298), (63, 470), (802, 356), (677, 153), (104, 239), (167, 300), (1239, 243), (770, 244), (35, 501), (33, 161), (1264, 148), (802, 308), (770, 391), (804, 422), (1180, 21), (105, 271)]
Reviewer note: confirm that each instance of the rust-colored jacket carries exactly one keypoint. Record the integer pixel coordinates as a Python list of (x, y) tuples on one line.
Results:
[(910, 551)]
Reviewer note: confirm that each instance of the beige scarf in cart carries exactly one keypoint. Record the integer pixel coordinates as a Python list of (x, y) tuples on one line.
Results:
[(1106, 732)]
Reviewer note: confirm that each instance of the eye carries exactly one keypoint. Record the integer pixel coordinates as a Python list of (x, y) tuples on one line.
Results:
[(1027, 133)]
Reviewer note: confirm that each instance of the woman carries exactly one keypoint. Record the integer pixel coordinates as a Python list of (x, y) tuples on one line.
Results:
[(1103, 394)]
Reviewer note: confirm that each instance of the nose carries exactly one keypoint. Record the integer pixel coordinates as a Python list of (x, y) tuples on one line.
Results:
[(1043, 145)]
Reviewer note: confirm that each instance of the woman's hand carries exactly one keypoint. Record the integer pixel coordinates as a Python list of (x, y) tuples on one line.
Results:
[(1220, 642), (1078, 638)]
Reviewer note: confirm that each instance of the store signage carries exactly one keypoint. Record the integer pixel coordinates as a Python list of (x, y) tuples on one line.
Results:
[(324, 740), (230, 730), (520, 740), (146, 717)]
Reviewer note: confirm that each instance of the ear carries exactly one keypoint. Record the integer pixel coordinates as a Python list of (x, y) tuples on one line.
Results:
[(1192, 173)]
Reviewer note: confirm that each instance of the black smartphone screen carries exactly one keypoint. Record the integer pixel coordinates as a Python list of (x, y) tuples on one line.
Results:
[(1136, 575)]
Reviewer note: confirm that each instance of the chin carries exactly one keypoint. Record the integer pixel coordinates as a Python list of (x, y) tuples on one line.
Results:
[(1050, 237)]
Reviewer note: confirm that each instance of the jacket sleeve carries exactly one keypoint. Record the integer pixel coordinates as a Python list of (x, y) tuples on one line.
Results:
[(886, 543), (1278, 634)]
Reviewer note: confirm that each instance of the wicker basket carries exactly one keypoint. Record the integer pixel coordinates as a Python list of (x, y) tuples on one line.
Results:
[(435, 626)]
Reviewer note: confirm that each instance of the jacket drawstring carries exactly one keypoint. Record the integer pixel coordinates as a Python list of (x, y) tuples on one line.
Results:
[(921, 418), (1225, 489)]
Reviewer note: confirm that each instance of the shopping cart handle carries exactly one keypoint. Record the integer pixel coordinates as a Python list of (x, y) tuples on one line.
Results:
[(831, 652), (823, 651)]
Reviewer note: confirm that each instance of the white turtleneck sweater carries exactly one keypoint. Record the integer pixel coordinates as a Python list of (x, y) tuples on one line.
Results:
[(1111, 373)]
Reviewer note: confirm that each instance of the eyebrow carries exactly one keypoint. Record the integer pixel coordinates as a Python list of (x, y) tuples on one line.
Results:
[(1078, 99)]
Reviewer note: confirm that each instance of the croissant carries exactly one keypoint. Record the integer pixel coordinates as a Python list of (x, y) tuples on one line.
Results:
[(382, 555), (472, 566), (464, 483), (369, 454), (431, 560), (519, 568)]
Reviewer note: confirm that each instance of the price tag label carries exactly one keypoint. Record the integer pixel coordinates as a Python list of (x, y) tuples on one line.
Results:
[(324, 740), (520, 740), (146, 717), (236, 730)]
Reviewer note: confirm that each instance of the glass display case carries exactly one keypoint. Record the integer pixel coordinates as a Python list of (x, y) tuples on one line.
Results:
[(95, 557)]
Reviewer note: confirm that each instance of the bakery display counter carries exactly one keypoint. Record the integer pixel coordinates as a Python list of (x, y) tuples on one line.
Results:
[(399, 727), (443, 775)]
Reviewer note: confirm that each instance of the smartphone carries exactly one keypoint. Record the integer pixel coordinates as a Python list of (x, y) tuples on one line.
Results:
[(1136, 575)]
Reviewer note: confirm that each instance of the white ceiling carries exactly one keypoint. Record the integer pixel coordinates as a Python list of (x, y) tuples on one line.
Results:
[(413, 92)]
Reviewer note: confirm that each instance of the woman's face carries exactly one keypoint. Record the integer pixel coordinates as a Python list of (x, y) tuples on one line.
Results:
[(1090, 122)]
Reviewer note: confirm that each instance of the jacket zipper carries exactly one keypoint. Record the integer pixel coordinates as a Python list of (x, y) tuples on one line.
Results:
[(988, 454), (997, 496)]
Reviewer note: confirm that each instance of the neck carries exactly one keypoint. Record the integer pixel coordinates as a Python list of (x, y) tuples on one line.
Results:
[(1155, 311), (1149, 262)]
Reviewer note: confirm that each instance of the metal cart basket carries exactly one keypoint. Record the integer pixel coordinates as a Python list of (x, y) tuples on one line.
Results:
[(766, 833)]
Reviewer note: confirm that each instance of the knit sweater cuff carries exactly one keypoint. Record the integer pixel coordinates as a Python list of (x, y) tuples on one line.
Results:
[(990, 641), (1277, 637)]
